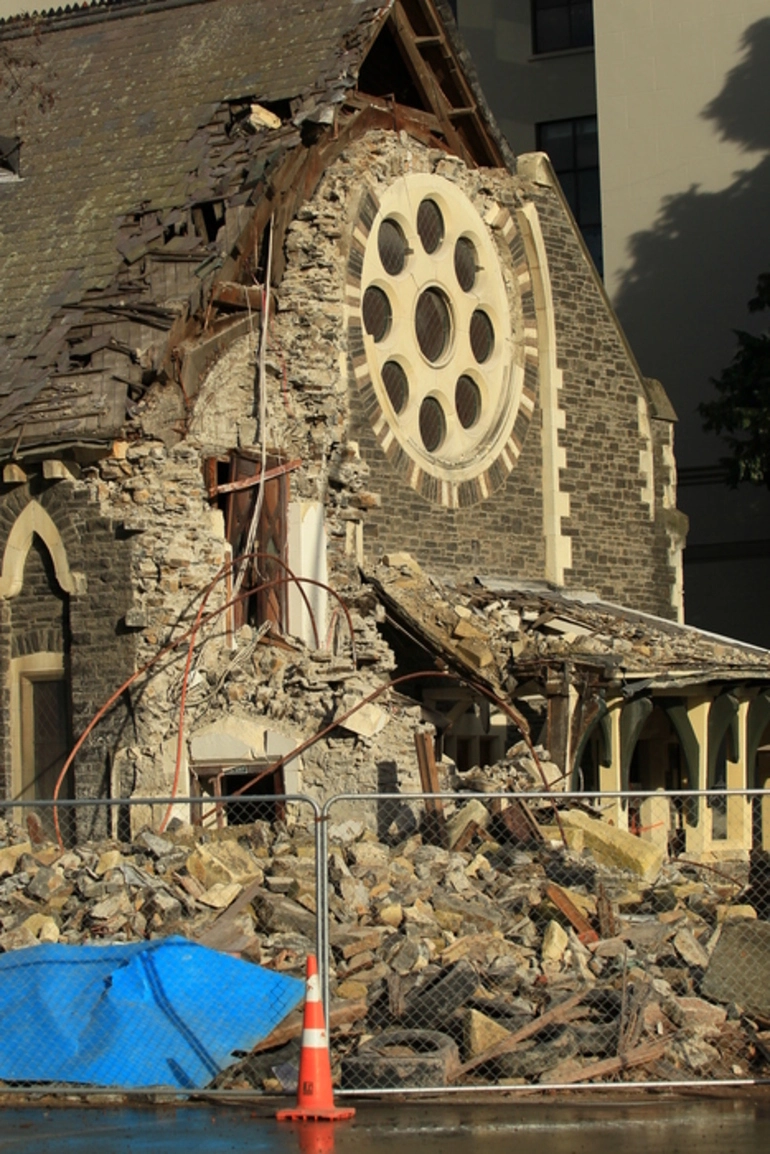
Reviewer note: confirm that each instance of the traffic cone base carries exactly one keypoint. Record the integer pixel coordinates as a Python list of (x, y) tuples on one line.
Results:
[(315, 1097), (309, 1114)]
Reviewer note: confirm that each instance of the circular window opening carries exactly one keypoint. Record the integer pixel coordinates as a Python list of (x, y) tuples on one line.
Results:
[(391, 245), (377, 315), (396, 385), (482, 336), (467, 401), (465, 263), (433, 324), (432, 424), (430, 225)]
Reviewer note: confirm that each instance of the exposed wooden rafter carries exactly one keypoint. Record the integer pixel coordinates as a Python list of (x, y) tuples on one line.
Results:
[(439, 77), (450, 118), (425, 81)]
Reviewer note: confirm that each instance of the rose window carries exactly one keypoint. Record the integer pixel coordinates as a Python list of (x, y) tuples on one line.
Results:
[(438, 332)]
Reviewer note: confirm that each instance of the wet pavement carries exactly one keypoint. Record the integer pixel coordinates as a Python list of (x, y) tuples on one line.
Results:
[(732, 1126)]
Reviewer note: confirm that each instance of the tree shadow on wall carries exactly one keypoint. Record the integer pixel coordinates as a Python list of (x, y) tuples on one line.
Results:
[(691, 274)]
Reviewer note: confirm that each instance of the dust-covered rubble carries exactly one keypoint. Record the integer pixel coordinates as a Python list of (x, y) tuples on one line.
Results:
[(502, 632), (518, 962)]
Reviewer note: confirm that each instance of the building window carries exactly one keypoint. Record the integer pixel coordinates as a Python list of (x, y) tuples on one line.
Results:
[(434, 308), (561, 24), (234, 484), (440, 356), (573, 146)]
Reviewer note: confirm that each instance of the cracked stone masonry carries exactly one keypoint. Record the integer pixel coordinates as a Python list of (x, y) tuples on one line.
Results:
[(307, 386)]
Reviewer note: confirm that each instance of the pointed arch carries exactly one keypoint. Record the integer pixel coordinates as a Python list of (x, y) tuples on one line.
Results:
[(33, 519)]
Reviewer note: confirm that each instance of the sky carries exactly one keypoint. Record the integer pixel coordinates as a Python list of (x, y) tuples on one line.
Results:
[(13, 7)]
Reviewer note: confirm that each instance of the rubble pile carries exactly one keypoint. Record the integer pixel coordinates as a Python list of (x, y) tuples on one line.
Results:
[(542, 964), (523, 769), (504, 960), (507, 632)]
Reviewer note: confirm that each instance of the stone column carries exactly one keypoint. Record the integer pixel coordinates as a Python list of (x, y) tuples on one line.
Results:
[(739, 808), (610, 776), (655, 821), (697, 813), (763, 782)]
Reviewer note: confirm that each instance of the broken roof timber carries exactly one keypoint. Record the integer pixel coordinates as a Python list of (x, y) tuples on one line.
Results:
[(513, 628)]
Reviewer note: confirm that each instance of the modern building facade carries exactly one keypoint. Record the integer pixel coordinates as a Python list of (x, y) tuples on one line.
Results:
[(662, 105)]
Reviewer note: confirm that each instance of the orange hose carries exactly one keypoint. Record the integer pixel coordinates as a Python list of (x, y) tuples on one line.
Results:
[(193, 635), (105, 708)]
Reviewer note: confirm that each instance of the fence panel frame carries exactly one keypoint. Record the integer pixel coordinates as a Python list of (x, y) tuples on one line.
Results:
[(11, 808), (547, 797)]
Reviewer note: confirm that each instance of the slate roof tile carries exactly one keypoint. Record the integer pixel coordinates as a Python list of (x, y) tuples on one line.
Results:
[(132, 86)]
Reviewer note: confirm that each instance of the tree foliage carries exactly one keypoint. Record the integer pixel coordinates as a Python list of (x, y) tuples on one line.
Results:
[(741, 412)]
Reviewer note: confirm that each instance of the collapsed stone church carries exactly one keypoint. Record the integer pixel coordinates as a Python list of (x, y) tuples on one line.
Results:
[(306, 385)]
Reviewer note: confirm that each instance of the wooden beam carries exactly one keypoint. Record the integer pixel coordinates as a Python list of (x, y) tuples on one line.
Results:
[(423, 126), (426, 81), (401, 115), (434, 806), (560, 1014), (429, 17), (256, 479), (240, 296), (642, 1055), (520, 823), (583, 928), (341, 1014)]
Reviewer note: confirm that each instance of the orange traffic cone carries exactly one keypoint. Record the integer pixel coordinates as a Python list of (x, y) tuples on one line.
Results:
[(315, 1099)]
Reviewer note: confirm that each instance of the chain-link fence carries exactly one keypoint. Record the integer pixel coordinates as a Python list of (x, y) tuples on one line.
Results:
[(480, 941), (182, 896), (548, 940)]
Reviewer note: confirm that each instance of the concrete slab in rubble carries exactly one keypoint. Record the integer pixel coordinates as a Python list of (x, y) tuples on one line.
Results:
[(739, 970)]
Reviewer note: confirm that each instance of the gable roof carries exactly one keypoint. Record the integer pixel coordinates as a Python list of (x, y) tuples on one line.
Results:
[(102, 151), (138, 180)]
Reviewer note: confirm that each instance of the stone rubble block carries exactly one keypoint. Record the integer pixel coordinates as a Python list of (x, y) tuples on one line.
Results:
[(43, 927), (690, 949), (480, 1032), (10, 854), (555, 942), (220, 896), (616, 847), (739, 969), (225, 862), (472, 811)]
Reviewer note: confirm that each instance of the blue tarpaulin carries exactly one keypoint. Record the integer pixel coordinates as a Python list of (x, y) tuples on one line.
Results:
[(160, 1013)]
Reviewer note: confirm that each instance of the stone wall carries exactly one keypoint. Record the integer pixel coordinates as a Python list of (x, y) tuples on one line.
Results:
[(140, 527), (85, 626), (177, 553), (621, 546), (40, 612)]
